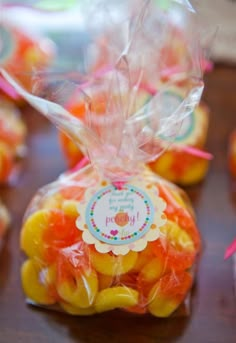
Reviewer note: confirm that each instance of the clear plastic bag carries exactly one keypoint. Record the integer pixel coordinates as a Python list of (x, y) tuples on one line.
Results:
[(152, 274), (113, 234), (171, 56), (21, 52), (12, 140), (185, 162)]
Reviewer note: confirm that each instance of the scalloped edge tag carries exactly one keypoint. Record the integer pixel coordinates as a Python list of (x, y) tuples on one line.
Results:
[(121, 220)]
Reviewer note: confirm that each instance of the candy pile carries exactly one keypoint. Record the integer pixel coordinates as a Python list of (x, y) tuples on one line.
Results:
[(21, 53), (180, 164), (62, 269), (114, 234)]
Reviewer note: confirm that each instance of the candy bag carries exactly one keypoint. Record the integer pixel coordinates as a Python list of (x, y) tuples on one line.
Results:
[(12, 139), (93, 269), (113, 235), (184, 162), (20, 52)]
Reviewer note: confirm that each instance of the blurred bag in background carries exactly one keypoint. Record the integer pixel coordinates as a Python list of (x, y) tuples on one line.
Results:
[(220, 14)]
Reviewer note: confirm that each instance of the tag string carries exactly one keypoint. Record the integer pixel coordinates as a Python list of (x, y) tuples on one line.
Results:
[(119, 185)]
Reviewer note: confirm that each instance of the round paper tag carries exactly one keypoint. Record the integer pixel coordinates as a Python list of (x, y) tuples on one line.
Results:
[(119, 217), (121, 220)]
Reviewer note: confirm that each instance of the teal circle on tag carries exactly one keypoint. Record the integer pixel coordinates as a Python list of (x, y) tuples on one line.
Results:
[(188, 123)]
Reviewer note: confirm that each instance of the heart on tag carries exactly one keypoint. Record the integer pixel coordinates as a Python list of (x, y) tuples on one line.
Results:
[(114, 232)]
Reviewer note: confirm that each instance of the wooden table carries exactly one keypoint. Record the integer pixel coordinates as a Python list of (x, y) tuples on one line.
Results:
[(213, 317)]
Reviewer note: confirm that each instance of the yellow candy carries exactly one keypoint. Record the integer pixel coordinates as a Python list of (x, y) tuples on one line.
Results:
[(113, 265), (53, 202), (32, 233), (168, 293), (105, 281), (196, 173), (143, 258), (51, 275), (79, 291), (182, 199), (178, 198), (116, 297), (177, 236), (161, 306), (75, 311), (70, 208), (153, 270), (162, 166), (34, 288), (32, 56)]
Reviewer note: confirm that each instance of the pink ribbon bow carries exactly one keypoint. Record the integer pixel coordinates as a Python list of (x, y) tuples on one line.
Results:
[(230, 250)]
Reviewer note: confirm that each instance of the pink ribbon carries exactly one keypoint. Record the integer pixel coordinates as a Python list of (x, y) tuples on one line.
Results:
[(148, 88), (230, 250), (208, 66), (168, 72), (82, 163), (119, 184), (8, 89), (195, 152)]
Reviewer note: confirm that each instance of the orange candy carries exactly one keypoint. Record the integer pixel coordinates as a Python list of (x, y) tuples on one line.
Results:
[(172, 258), (76, 283), (168, 293), (76, 275), (70, 150), (175, 164), (178, 165), (61, 233), (179, 215), (6, 162), (78, 110), (12, 138), (47, 231), (25, 53)]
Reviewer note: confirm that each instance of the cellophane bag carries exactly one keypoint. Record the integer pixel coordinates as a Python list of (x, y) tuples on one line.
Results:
[(22, 49), (184, 163), (12, 140), (112, 234)]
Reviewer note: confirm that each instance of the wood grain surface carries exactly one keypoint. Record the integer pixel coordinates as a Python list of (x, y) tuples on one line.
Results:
[(213, 315)]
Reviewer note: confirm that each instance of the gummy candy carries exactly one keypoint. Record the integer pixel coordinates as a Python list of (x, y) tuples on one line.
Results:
[(64, 270)]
